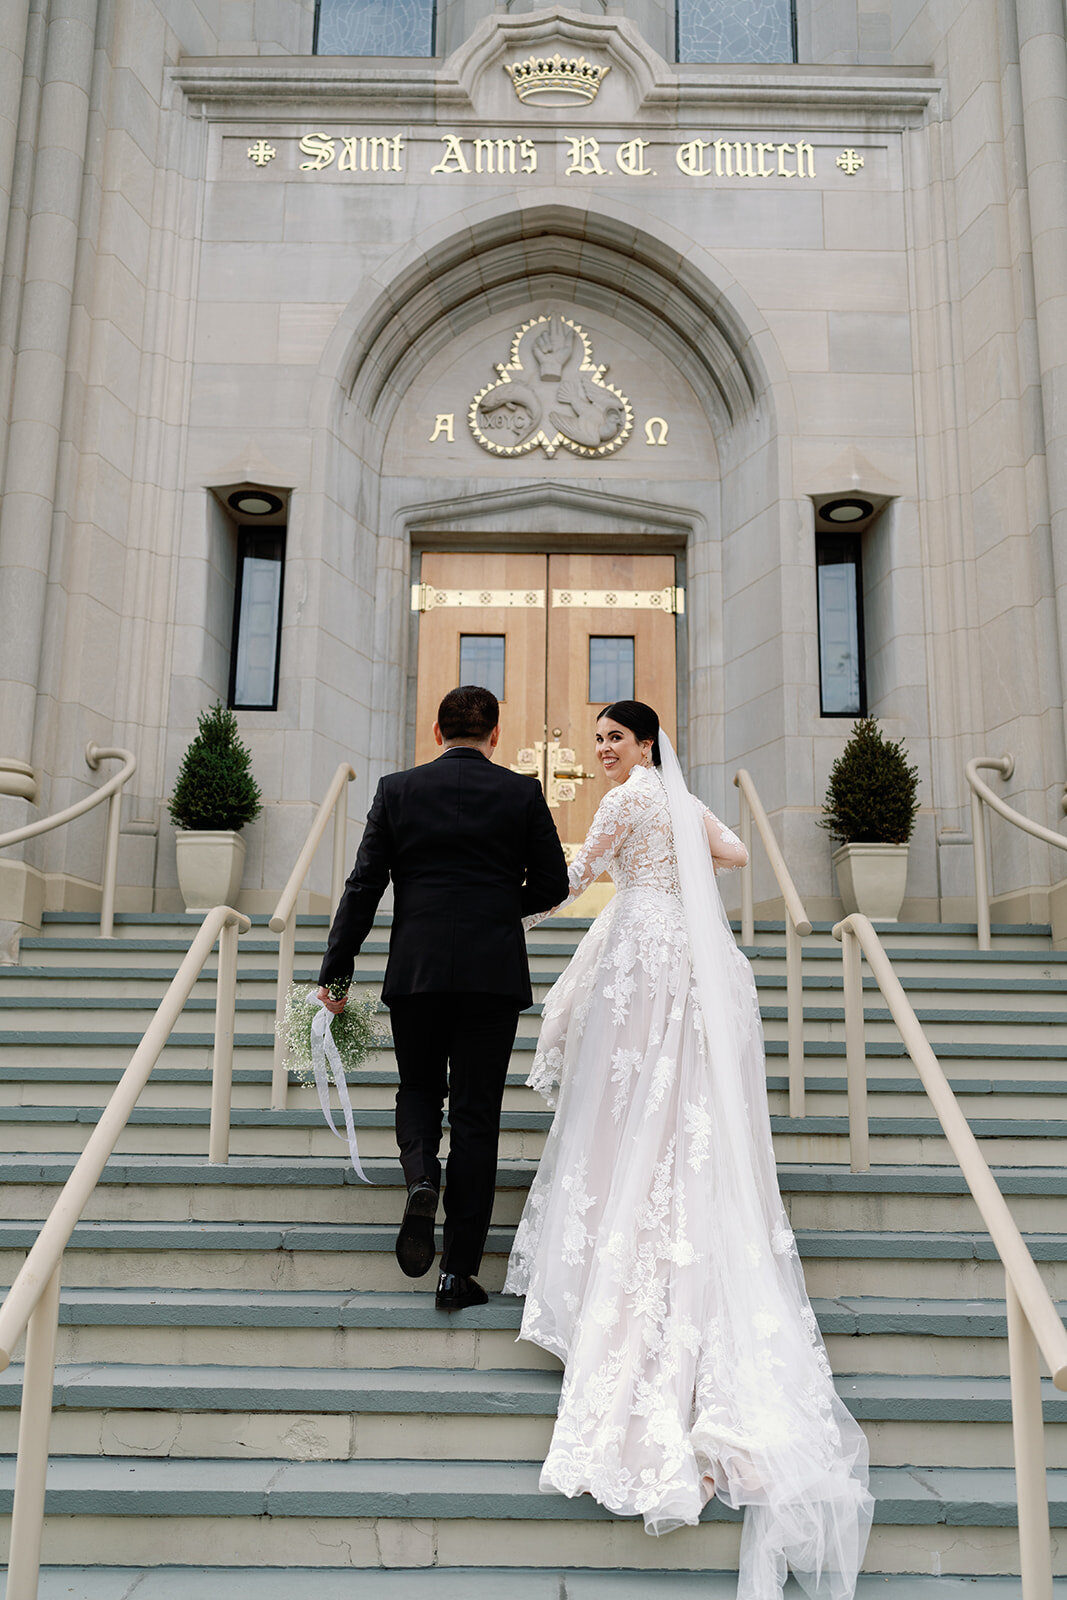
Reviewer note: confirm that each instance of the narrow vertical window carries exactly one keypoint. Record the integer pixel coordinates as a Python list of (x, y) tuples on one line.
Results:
[(257, 619), (842, 676), (736, 30), (481, 661), (611, 669), (375, 27)]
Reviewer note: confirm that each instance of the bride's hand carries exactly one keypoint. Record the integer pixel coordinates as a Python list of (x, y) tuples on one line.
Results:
[(334, 1007)]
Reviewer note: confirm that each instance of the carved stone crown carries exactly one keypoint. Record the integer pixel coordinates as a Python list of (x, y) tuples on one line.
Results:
[(573, 77)]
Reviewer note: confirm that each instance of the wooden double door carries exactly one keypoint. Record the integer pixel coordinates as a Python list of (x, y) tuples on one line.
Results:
[(557, 638)]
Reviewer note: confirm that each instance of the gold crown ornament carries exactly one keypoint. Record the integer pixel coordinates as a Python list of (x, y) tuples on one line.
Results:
[(571, 78)]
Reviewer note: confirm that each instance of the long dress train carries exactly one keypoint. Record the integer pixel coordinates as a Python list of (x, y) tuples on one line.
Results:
[(654, 1252)]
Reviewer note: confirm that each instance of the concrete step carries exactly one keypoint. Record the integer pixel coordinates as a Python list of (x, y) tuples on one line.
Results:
[(344, 1329), (271, 1513), (178, 1130), (471, 1583), (992, 991), (1019, 935), (431, 1414), (67, 1083), (325, 1189), (329, 1256)]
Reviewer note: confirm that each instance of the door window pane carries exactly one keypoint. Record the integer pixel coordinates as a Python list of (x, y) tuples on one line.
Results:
[(841, 668), (611, 669), (736, 30), (481, 661), (257, 618), (375, 28)]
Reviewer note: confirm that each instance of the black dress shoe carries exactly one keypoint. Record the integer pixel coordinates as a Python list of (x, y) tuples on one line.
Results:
[(414, 1242), (456, 1293)]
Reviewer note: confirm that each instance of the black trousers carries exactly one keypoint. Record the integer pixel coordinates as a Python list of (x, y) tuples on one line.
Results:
[(459, 1046)]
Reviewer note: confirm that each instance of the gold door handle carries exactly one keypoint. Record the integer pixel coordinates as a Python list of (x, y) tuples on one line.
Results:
[(530, 761), (565, 774)]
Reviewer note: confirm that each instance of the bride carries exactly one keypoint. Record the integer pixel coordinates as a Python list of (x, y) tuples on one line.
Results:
[(654, 1251)]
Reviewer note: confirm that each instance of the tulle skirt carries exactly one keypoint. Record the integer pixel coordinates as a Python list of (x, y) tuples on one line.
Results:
[(693, 1363)]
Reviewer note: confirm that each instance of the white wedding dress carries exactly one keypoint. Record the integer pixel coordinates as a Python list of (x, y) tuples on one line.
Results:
[(654, 1252)]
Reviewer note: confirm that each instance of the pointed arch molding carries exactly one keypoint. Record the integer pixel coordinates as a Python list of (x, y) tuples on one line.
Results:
[(658, 284)]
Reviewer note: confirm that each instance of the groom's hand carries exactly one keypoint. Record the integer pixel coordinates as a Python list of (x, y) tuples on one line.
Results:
[(334, 1007)]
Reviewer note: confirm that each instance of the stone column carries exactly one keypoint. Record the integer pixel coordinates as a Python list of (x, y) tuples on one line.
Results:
[(40, 366), (1043, 82), (14, 21)]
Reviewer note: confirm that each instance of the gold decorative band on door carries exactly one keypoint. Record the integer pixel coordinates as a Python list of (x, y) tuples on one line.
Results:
[(557, 638)]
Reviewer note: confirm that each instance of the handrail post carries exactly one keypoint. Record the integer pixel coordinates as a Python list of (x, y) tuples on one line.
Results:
[(111, 865), (981, 871), (794, 1004), (855, 1049), (1028, 1436), (748, 924), (340, 847), (279, 1086), (31, 1468), (222, 1060)]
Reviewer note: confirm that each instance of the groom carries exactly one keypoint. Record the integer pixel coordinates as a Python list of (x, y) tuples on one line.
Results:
[(471, 849)]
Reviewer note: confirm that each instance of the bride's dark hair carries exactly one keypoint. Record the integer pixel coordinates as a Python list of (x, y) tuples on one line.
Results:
[(641, 720)]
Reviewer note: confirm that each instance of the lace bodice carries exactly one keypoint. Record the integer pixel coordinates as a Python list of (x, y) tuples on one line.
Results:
[(631, 839)]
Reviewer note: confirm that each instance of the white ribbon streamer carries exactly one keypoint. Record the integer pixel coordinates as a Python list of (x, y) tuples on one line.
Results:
[(324, 1051)]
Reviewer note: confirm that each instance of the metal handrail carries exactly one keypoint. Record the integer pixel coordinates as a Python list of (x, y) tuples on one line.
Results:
[(283, 921), (1033, 1321), (982, 794), (797, 926), (31, 1305), (111, 791)]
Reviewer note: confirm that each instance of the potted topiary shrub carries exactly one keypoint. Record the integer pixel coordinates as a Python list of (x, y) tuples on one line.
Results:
[(214, 796), (870, 806)]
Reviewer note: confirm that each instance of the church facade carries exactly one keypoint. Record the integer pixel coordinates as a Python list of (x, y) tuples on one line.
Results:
[(714, 355)]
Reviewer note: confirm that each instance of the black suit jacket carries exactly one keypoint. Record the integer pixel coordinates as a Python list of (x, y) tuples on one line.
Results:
[(471, 849)]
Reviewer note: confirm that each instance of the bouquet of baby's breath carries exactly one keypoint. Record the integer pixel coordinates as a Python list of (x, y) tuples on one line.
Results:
[(354, 1031)]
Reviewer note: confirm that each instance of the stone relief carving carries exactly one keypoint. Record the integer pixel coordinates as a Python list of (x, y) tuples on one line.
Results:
[(550, 370)]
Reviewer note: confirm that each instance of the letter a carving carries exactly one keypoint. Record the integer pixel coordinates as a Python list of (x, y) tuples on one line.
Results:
[(445, 424)]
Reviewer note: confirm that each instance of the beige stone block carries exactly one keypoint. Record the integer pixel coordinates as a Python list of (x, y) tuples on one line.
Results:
[(869, 342), (860, 280), (802, 338), (303, 331), (983, 247), (244, 211), (242, 335), (863, 220), (870, 404)]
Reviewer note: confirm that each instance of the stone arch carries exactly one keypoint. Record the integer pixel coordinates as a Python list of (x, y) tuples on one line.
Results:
[(448, 277)]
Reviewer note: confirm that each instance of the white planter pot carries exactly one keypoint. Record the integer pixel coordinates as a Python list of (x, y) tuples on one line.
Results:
[(209, 867), (872, 878)]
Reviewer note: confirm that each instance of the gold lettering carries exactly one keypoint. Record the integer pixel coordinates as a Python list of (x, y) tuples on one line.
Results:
[(654, 426), (348, 160), (321, 147), (528, 155), (729, 161), (804, 149), (783, 170), (761, 170), (690, 158), (445, 424), (496, 152), (585, 158), (379, 147), (452, 159), (631, 158)]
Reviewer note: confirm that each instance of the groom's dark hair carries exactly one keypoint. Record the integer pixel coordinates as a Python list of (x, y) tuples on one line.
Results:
[(468, 712)]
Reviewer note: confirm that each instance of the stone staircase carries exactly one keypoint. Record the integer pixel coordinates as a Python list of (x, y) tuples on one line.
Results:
[(251, 1396)]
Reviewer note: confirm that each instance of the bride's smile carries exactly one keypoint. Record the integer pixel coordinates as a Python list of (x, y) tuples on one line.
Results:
[(618, 750)]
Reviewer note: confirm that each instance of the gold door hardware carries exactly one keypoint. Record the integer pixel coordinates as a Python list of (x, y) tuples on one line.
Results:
[(427, 597), (530, 761), (670, 599), (564, 774)]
